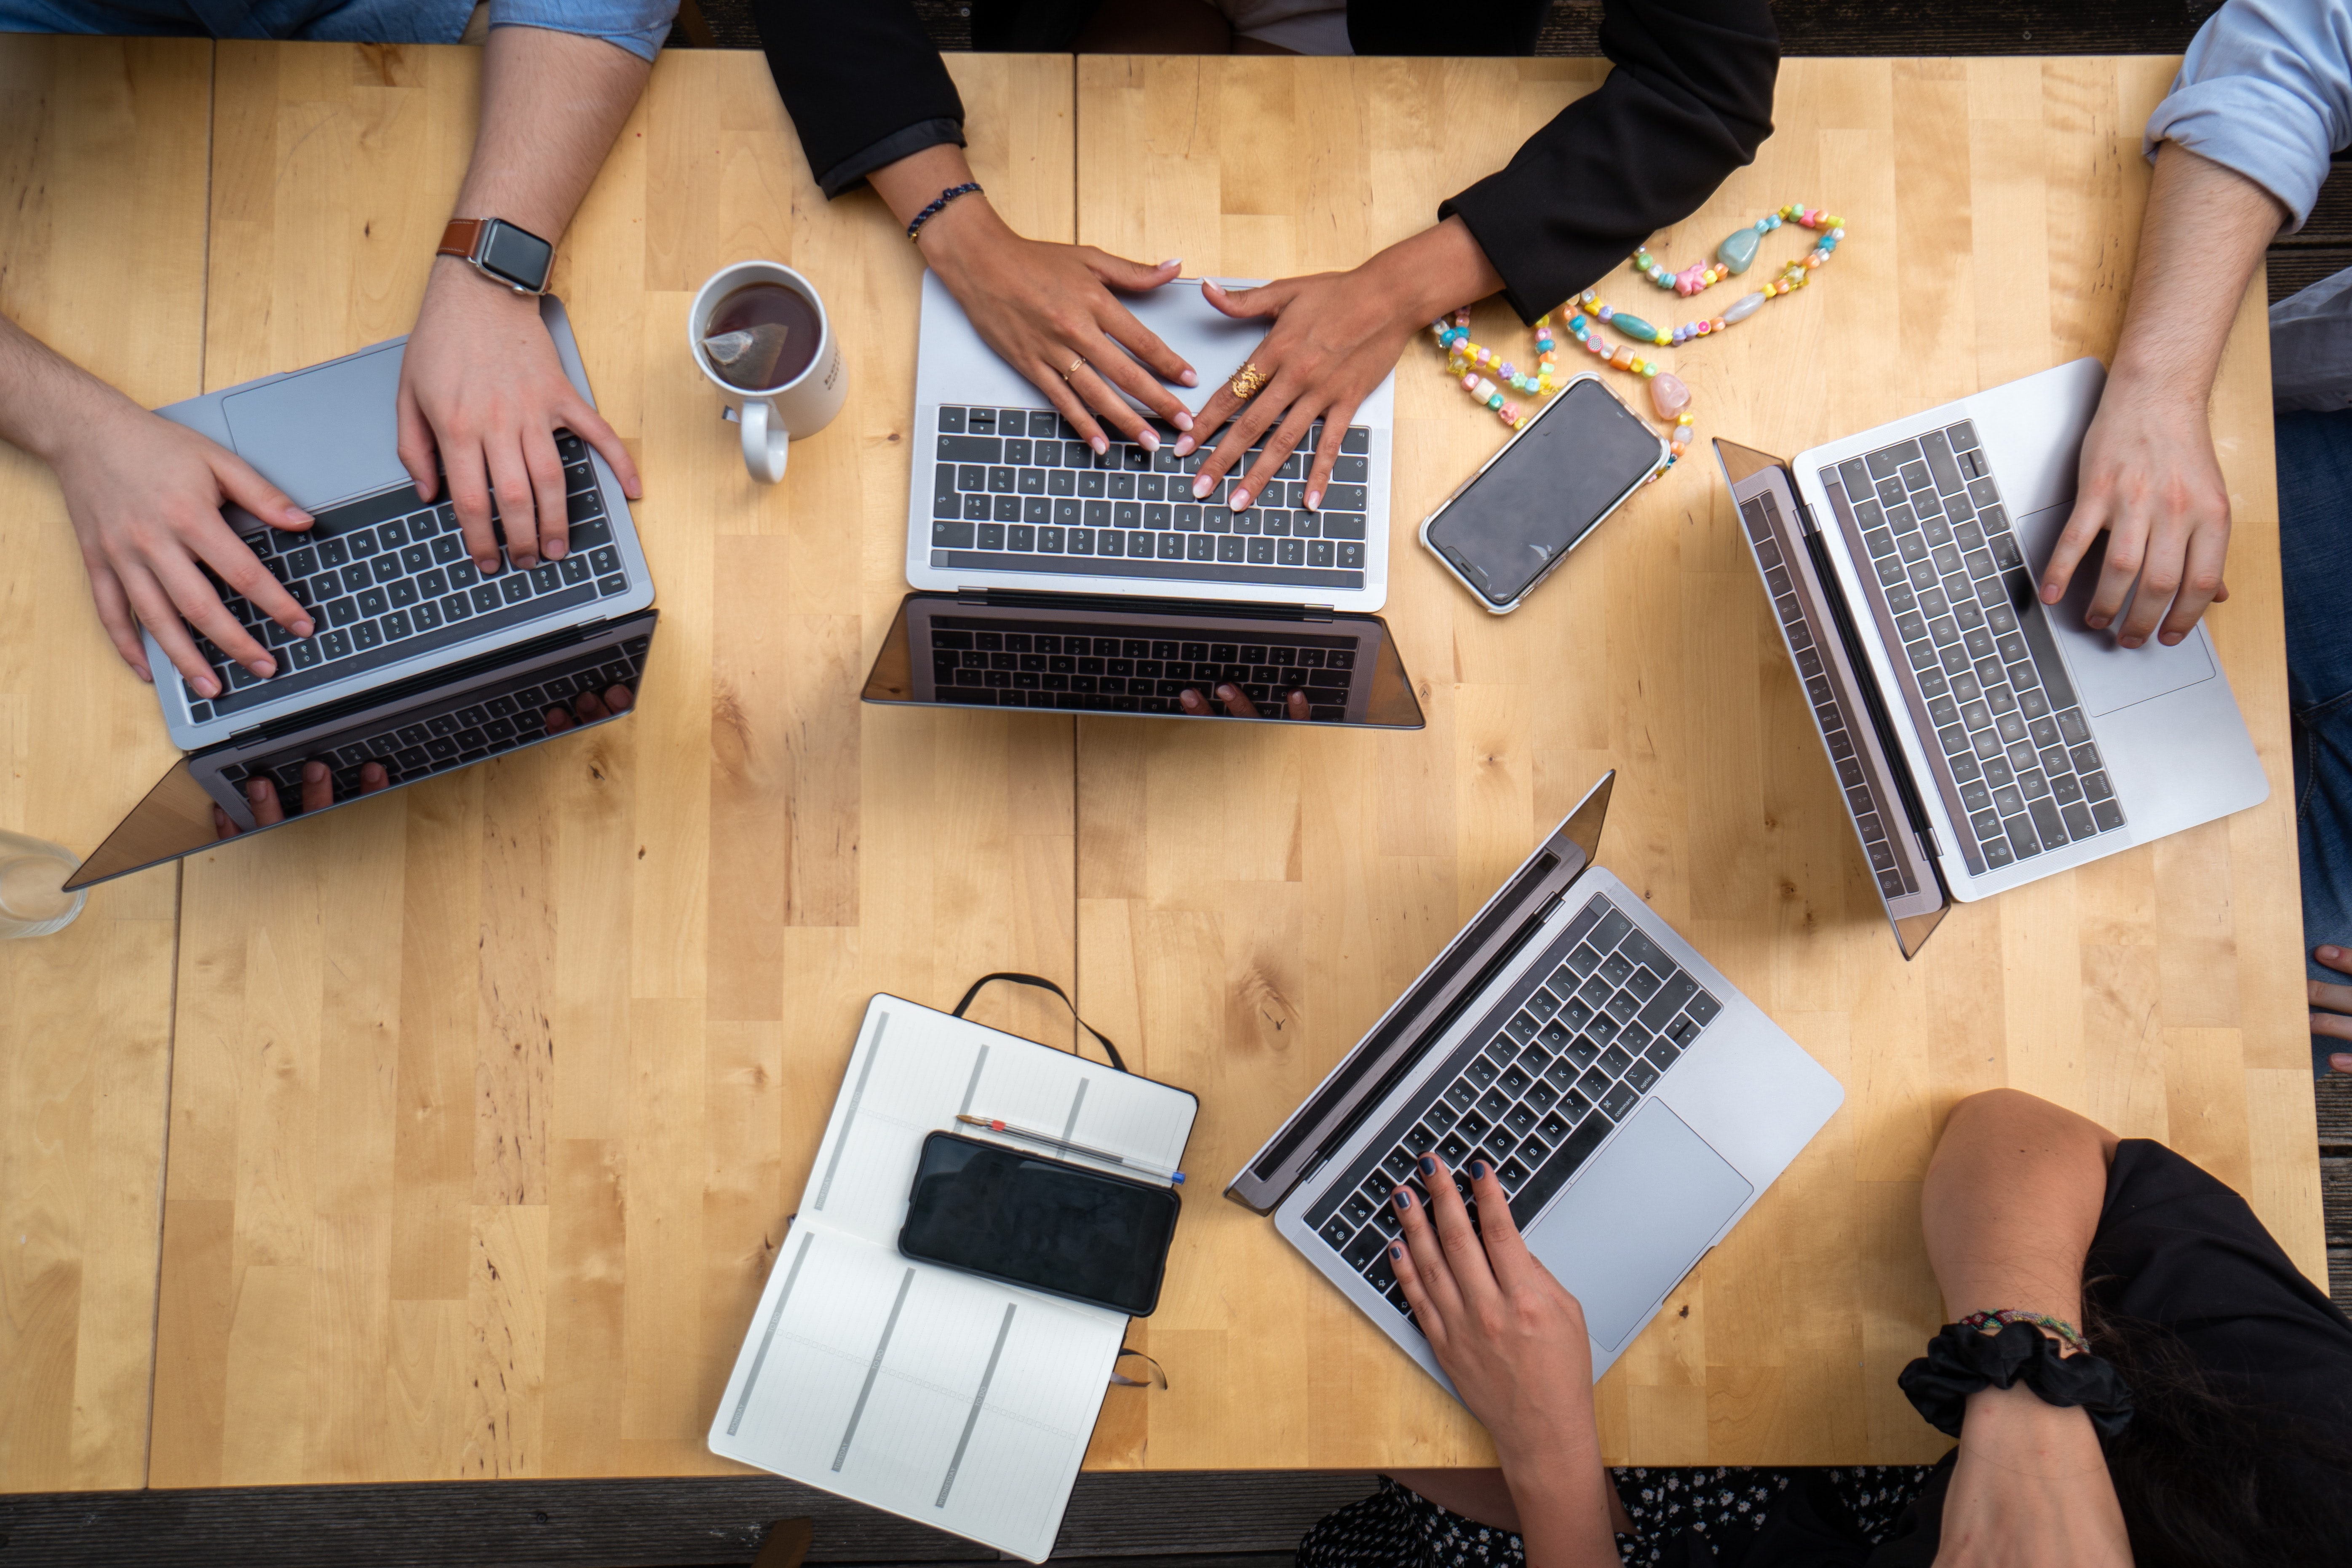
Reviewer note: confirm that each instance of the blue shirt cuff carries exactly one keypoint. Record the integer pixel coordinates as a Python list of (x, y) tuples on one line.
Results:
[(636, 26), (2256, 128)]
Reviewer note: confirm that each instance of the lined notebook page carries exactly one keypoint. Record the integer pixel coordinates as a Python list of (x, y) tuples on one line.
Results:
[(923, 1391)]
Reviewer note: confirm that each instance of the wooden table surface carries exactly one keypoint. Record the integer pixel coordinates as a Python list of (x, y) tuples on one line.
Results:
[(487, 1101)]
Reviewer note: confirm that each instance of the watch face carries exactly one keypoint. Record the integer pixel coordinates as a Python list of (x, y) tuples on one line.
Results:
[(516, 255)]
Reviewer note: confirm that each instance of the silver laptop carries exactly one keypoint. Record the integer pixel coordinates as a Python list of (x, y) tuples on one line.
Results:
[(1005, 495), (1981, 738), (388, 581), (1634, 1104), (420, 664)]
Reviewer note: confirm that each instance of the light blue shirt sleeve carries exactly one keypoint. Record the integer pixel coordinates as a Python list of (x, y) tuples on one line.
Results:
[(2265, 90), (636, 26)]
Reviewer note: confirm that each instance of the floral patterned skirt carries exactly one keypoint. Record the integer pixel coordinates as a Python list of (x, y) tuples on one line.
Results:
[(1397, 1528)]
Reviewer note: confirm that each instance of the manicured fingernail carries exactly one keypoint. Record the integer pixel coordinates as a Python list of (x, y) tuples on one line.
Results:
[(1147, 438), (1183, 445), (1171, 261), (1404, 1198), (1477, 1170), (1225, 694), (1428, 1166), (1240, 502), (2331, 953), (303, 629), (1201, 485), (1314, 499), (1189, 378), (557, 551), (1183, 420), (1396, 1248), (295, 514), (1100, 445)]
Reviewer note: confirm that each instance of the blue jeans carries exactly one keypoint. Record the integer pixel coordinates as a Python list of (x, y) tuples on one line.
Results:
[(2314, 480)]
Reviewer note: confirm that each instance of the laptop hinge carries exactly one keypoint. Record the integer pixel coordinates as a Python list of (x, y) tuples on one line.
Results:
[(1805, 518), (1928, 843)]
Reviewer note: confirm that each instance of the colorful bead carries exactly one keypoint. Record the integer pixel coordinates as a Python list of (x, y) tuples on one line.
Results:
[(1737, 252)]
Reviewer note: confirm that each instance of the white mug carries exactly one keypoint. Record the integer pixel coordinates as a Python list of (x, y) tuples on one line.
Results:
[(773, 415)]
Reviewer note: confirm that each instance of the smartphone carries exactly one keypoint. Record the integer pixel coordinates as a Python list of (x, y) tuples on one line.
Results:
[(1515, 520), (1025, 1219)]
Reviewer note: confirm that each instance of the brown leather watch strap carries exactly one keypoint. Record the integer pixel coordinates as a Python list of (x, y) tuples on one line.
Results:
[(460, 237)]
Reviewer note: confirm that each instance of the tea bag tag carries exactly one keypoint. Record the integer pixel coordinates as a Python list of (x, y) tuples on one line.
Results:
[(747, 357)]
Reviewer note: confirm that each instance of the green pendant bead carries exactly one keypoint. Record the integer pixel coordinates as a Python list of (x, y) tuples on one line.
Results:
[(1739, 252), (1633, 327)]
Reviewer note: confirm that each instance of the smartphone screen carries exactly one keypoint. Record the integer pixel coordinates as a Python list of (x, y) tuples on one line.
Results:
[(1565, 471), (1030, 1220)]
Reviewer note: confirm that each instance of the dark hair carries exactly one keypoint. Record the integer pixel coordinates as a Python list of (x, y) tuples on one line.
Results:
[(2210, 1479)]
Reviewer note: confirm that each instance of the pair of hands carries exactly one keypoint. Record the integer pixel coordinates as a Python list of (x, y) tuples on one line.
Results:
[(480, 387), (318, 779)]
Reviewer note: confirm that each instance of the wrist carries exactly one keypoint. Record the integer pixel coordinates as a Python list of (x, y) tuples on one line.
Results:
[(1440, 270), (455, 279), (960, 233), (79, 410)]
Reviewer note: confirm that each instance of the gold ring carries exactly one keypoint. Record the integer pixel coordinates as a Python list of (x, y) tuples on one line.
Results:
[(1247, 383), (1074, 367)]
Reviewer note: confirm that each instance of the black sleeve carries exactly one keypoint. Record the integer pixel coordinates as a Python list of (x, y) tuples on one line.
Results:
[(1690, 101), (862, 81)]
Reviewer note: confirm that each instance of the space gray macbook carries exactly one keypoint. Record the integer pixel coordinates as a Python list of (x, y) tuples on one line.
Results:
[(1634, 1104)]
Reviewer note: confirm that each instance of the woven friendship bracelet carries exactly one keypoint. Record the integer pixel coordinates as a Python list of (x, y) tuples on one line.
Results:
[(969, 187), (1990, 1324)]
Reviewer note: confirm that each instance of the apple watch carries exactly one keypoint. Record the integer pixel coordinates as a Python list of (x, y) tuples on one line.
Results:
[(502, 251)]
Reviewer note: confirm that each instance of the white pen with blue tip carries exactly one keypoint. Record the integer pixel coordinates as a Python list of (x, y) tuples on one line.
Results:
[(1062, 1145)]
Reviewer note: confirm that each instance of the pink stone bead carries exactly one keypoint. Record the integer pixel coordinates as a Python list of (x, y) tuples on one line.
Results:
[(1668, 395), (1470, 381)]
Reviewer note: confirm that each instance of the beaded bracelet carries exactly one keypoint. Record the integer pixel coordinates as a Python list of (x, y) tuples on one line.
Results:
[(1991, 1323), (969, 187)]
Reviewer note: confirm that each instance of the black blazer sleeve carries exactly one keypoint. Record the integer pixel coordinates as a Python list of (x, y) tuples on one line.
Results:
[(1690, 101), (862, 81)]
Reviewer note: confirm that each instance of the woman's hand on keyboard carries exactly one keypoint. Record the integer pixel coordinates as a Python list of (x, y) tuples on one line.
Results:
[(145, 497), (1513, 1340), (480, 385), (1335, 336), (1237, 702), (1043, 306)]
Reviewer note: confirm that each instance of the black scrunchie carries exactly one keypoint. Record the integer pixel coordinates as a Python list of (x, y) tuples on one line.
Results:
[(1960, 1360)]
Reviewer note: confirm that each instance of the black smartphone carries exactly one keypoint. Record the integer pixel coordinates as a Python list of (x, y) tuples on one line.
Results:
[(1517, 518), (1026, 1220)]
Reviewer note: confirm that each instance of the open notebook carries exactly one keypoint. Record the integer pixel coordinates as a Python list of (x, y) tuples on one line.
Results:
[(924, 1391)]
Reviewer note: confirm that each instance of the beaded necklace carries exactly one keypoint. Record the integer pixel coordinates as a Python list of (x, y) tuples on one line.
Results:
[(1668, 396)]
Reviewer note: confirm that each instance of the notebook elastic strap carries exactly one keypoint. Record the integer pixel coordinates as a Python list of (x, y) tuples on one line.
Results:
[(1044, 985)]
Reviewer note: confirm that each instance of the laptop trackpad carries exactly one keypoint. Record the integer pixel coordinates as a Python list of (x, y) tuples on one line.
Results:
[(1636, 1219), (326, 434), (2109, 675)]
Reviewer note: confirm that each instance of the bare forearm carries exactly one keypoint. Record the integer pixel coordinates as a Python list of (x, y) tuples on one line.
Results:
[(2205, 229), (551, 104), (2010, 1203), (45, 399)]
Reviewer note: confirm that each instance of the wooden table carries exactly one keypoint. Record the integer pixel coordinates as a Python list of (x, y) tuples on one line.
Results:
[(487, 1101)]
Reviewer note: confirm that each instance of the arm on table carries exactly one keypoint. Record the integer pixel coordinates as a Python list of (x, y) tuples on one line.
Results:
[(480, 382), (872, 103), (2147, 476), (1689, 101), (2009, 1207), (145, 497)]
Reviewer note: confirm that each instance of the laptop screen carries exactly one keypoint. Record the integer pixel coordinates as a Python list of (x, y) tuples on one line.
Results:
[(346, 752), (1074, 653)]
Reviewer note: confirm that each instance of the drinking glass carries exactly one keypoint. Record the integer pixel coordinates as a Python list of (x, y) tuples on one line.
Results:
[(31, 874)]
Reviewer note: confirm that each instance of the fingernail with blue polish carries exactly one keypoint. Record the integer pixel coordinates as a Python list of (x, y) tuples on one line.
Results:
[(1428, 1166), (1477, 1170), (1396, 1249), (1404, 1198)]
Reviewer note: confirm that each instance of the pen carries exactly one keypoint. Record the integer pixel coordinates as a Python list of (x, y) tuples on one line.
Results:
[(1048, 1141)]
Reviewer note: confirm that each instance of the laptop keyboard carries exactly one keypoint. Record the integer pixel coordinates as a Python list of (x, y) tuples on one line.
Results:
[(387, 579), (1133, 669), (478, 723), (1585, 1035), (2010, 734), (1014, 490)]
